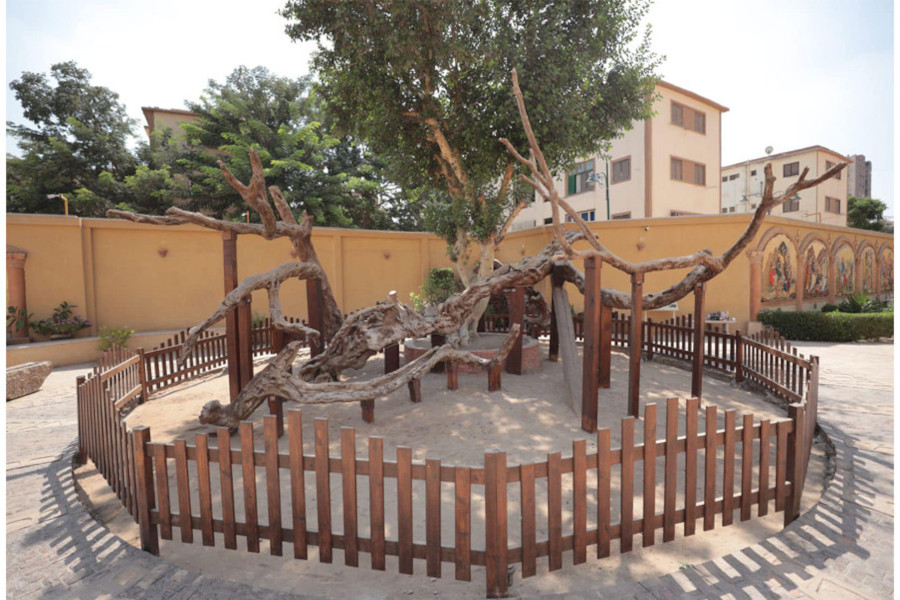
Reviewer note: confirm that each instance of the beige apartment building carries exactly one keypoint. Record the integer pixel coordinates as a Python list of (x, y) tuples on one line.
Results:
[(664, 166), (742, 185), (160, 119)]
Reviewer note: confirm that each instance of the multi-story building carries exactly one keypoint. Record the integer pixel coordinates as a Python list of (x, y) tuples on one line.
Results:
[(664, 166), (859, 177), (160, 119), (742, 185)]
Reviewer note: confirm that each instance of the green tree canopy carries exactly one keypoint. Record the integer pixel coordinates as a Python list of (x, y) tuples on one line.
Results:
[(865, 213), (76, 141), (427, 86), (336, 180)]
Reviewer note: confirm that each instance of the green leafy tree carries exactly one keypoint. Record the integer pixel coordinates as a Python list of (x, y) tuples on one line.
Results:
[(336, 180), (427, 86), (865, 213), (77, 144)]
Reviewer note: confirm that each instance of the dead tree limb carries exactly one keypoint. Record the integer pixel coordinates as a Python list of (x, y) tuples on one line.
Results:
[(275, 379), (704, 266)]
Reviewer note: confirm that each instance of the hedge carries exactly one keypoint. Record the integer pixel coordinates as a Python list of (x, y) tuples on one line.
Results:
[(813, 326)]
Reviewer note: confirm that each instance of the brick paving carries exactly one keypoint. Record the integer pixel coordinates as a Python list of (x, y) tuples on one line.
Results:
[(842, 548)]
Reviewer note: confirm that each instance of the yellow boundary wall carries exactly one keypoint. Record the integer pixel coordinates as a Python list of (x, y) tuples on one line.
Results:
[(153, 278)]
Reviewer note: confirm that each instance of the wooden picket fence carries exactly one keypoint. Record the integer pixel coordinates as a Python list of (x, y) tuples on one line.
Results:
[(161, 368), (114, 386), (709, 468)]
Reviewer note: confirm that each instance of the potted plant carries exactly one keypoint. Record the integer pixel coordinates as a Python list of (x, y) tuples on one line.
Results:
[(63, 324), (16, 325)]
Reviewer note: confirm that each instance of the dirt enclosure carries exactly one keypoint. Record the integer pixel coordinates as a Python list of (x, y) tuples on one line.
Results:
[(528, 419)]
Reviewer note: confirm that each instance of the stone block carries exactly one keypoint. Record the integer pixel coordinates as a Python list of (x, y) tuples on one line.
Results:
[(25, 379)]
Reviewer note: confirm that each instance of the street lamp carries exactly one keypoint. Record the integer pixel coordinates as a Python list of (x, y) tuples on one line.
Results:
[(604, 179), (64, 199)]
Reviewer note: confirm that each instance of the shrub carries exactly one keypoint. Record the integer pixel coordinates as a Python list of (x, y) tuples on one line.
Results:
[(439, 285), (829, 327), (829, 308), (63, 321), (861, 303), (113, 336)]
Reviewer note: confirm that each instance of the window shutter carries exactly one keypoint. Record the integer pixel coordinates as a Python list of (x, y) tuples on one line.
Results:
[(572, 183)]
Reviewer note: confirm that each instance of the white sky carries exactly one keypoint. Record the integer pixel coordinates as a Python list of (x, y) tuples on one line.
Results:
[(793, 73)]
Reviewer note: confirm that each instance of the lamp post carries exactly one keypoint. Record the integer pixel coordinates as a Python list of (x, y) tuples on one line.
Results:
[(604, 179), (64, 199)]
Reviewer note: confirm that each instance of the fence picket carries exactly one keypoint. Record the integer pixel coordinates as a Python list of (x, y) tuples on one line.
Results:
[(463, 523), (709, 486), (376, 502), (348, 487), (182, 486), (433, 517), (273, 484), (579, 500), (626, 490), (226, 487), (671, 480), (603, 492), (405, 509), (554, 508), (649, 442), (529, 538), (248, 470), (728, 473), (323, 490), (205, 492)]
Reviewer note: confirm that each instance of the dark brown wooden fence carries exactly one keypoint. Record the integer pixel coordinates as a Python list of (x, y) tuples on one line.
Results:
[(709, 467), (161, 368), (719, 466)]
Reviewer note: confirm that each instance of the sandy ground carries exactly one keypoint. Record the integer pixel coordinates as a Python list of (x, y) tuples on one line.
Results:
[(530, 418)]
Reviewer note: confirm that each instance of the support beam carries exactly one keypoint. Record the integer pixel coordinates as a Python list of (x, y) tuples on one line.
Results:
[(557, 280), (699, 327), (605, 376), (591, 349), (634, 344), (315, 315), (232, 331), (516, 315)]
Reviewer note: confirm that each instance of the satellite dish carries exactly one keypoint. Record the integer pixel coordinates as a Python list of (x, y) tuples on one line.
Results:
[(769, 149)]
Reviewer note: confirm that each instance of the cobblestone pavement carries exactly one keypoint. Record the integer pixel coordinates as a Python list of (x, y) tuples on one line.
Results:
[(843, 548)]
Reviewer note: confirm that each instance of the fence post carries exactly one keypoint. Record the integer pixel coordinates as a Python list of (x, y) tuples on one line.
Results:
[(648, 333), (495, 523), (739, 356), (144, 469), (794, 471), (82, 424), (142, 371), (634, 344)]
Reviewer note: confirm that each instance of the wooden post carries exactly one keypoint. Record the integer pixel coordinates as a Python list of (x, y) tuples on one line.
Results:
[(794, 471), (82, 419), (591, 348), (415, 390), (452, 375), (495, 373), (495, 523), (438, 339), (739, 357), (391, 358), (315, 315), (144, 468), (516, 315), (606, 329), (245, 345), (556, 279), (276, 408), (142, 372), (699, 326), (634, 344), (648, 337), (229, 261)]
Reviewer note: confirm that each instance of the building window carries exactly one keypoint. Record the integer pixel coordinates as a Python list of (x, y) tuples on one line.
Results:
[(578, 178), (621, 169), (689, 118), (725, 210), (792, 169), (833, 205), (688, 171), (733, 177), (752, 173), (587, 216), (548, 221), (620, 216), (828, 165), (731, 209), (724, 179), (792, 204)]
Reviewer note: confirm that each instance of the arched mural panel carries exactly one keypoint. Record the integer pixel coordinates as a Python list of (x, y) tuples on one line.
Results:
[(887, 270), (780, 270), (844, 270), (815, 279), (867, 262)]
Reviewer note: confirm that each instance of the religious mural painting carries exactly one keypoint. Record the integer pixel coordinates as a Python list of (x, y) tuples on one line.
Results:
[(887, 270), (844, 271), (815, 281), (868, 269), (780, 270)]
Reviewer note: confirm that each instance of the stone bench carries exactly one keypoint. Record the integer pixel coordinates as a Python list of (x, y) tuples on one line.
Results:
[(25, 379)]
